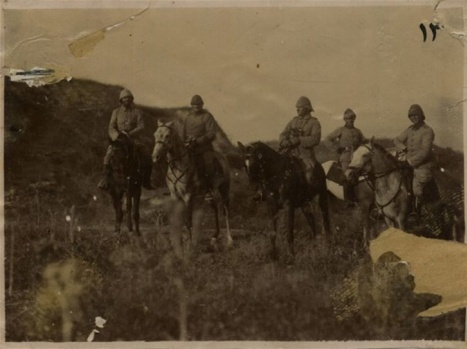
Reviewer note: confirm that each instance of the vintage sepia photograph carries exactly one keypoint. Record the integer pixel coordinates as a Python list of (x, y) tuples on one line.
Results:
[(259, 173)]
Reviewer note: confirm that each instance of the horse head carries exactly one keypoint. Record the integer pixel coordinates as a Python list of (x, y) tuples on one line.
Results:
[(256, 157), (371, 158), (164, 141), (361, 160)]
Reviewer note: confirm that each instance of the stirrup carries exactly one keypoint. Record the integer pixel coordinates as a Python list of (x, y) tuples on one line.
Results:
[(375, 214), (208, 196), (413, 217), (148, 186), (257, 197), (103, 184)]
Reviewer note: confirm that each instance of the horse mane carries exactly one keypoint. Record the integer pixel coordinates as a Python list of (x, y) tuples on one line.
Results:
[(386, 153), (269, 152)]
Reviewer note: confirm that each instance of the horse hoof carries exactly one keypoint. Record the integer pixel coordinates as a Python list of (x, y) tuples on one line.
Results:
[(213, 242), (229, 241)]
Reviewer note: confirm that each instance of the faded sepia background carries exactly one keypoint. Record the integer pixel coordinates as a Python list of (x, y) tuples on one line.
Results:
[(251, 64)]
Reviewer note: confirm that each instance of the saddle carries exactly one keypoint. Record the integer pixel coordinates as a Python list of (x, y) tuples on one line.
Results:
[(336, 174)]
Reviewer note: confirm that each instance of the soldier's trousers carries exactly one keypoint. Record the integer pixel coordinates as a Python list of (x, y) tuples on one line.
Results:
[(143, 153), (204, 166), (421, 176)]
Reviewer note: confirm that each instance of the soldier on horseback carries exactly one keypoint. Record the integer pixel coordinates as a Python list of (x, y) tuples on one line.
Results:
[(199, 131), (127, 125), (301, 135), (415, 144), (349, 138)]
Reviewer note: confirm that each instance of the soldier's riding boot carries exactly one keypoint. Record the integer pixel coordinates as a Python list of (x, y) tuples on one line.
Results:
[(415, 210), (208, 185), (258, 196), (147, 171), (349, 194), (104, 184)]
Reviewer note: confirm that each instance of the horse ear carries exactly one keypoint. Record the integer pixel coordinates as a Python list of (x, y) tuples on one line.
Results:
[(160, 123), (372, 140), (241, 147)]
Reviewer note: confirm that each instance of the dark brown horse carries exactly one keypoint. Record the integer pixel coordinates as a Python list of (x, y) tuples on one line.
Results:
[(125, 183), (281, 178)]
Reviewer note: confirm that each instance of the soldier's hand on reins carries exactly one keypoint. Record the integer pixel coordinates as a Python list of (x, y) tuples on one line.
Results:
[(190, 143)]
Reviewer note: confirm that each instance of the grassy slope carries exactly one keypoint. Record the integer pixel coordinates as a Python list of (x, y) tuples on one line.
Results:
[(55, 138)]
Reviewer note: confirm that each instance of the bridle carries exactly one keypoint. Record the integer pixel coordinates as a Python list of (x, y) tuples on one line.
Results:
[(370, 176), (172, 163)]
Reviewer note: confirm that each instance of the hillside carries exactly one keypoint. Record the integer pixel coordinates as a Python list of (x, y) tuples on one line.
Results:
[(56, 135), (57, 221)]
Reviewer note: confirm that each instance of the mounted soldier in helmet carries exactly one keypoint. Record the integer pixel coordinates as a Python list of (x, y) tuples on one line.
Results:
[(348, 139), (415, 145), (301, 135), (199, 131), (127, 125)]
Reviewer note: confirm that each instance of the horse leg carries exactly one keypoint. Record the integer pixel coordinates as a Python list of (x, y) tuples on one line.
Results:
[(273, 213), (288, 225), (136, 217), (129, 204), (367, 233), (227, 225), (310, 218), (117, 203), (215, 236), (197, 215), (176, 223), (324, 207)]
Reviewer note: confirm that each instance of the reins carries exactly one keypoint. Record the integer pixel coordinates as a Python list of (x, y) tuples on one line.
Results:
[(371, 177), (171, 163)]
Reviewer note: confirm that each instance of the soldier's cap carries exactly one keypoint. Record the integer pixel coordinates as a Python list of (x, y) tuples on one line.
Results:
[(197, 100), (416, 110), (349, 114), (125, 93), (304, 102)]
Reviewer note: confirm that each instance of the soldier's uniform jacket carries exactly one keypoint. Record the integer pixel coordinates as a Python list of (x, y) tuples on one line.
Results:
[(349, 138), (129, 120), (308, 129), (202, 127), (419, 144)]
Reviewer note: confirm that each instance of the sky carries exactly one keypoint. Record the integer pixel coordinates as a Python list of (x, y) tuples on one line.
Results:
[(250, 64)]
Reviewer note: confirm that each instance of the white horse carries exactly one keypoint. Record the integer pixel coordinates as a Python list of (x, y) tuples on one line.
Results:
[(188, 200)]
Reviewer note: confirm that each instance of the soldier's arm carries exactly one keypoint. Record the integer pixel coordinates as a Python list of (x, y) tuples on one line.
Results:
[(332, 137), (113, 128), (401, 141), (210, 134), (422, 154), (139, 124), (286, 132), (314, 138), (362, 138)]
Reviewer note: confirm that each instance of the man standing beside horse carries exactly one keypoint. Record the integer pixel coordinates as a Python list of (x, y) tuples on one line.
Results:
[(349, 138), (416, 143), (199, 131), (127, 125)]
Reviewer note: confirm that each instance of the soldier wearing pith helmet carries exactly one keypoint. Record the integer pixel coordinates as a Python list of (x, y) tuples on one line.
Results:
[(417, 143), (127, 124), (301, 135), (347, 137), (199, 131)]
